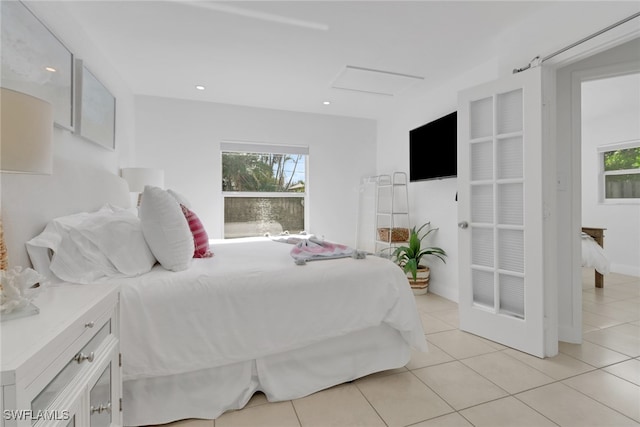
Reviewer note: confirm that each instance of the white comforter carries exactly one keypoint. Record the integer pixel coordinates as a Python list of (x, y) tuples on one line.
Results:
[(593, 255), (249, 301)]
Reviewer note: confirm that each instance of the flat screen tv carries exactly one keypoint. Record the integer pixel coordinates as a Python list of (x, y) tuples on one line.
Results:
[(433, 149)]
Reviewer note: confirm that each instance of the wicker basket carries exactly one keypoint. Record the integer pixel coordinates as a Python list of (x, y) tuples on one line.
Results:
[(393, 235)]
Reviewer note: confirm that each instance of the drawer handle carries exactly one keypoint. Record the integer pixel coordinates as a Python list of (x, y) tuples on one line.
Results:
[(89, 324), (81, 357), (100, 409)]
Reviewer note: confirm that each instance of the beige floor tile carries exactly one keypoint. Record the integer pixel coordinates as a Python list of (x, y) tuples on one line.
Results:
[(617, 279), (191, 423), (448, 316), (624, 339), (632, 287), (279, 414), (430, 302), (614, 392), (493, 344), (616, 293), (598, 321), (506, 412), (632, 305), (458, 385), (593, 354), (402, 399), (558, 367), (570, 408), (507, 372), (431, 324), (593, 297), (588, 328), (460, 344), (434, 356), (340, 406), (608, 310), (449, 420), (629, 370)]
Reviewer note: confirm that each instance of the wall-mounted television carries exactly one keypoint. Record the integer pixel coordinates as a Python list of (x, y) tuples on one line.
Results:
[(433, 149)]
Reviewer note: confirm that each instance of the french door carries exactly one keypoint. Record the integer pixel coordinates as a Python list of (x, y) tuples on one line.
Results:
[(500, 209)]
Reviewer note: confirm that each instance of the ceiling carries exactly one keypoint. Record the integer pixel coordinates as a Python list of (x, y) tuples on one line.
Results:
[(288, 54)]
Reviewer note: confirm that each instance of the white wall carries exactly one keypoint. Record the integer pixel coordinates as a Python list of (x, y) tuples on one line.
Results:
[(611, 113), (20, 192), (433, 201), (183, 138), (539, 34)]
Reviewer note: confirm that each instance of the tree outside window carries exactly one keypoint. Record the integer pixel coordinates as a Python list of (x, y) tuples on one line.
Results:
[(621, 171), (263, 192)]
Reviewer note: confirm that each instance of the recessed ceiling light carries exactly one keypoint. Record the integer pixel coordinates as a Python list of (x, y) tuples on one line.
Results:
[(327, 102), (50, 69), (199, 87)]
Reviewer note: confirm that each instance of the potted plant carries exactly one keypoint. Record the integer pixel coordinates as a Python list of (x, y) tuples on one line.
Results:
[(409, 258)]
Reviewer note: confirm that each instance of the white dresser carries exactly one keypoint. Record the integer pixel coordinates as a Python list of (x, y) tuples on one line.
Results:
[(62, 367)]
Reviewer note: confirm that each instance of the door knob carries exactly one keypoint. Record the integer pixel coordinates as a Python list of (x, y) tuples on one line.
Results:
[(463, 225)]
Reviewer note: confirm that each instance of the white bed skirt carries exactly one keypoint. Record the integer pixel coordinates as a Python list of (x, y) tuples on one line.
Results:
[(208, 393)]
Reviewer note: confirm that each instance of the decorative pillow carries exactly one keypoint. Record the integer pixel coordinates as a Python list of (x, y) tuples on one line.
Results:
[(179, 198), (200, 236), (165, 229)]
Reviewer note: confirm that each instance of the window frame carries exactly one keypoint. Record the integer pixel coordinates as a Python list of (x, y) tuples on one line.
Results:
[(265, 148), (602, 174)]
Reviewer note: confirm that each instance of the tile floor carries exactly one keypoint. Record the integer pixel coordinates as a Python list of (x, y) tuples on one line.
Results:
[(465, 380)]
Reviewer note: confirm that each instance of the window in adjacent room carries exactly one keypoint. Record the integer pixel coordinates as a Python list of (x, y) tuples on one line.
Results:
[(264, 188), (620, 171)]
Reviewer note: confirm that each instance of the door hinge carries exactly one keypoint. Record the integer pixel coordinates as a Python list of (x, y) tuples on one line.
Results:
[(119, 359), (120, 404)]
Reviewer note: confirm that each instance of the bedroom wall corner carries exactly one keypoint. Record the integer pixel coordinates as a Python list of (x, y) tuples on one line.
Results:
[(21, 194)]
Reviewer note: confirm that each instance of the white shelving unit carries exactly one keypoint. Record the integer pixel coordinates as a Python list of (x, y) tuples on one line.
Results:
[(392, 212)]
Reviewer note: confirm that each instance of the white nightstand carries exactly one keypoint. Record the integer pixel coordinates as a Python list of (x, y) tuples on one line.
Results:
[(62, 367)]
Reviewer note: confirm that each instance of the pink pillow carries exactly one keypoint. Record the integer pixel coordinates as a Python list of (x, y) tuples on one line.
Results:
[(200, 237)]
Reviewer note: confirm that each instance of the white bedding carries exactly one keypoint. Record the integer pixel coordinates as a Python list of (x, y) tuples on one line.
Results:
[(251, 301), (593, 255)]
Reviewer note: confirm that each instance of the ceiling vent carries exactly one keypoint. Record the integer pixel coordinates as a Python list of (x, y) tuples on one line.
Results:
[(373, 81)]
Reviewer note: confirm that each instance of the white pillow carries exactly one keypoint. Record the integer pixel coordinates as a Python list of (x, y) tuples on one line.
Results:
[(180, 198), (89, 246), (69, 262), (119, 237), (165, 229)]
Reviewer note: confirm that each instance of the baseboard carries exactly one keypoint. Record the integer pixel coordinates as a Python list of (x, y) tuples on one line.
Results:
[(444, 292), (628, 270)]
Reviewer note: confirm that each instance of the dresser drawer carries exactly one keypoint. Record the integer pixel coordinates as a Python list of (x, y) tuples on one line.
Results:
[(86, 355), (50, 361), (85, 331)]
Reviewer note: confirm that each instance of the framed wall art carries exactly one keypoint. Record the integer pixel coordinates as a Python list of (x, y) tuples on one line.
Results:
[(35, 62), (95, 109)]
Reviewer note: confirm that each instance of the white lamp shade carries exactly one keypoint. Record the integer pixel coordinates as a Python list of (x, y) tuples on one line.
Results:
[(26, 141), (137, 178)]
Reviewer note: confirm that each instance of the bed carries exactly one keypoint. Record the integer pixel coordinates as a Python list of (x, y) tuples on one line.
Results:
[(201, 340), (593, 255)]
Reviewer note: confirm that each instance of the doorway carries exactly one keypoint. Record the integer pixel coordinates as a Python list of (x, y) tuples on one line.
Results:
[(621, 60)]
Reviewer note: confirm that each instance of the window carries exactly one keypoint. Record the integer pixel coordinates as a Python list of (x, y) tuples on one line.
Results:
[(620, 171), (264, 188)]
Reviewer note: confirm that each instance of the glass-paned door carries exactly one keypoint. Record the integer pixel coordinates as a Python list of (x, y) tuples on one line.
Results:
[(500, 211)]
